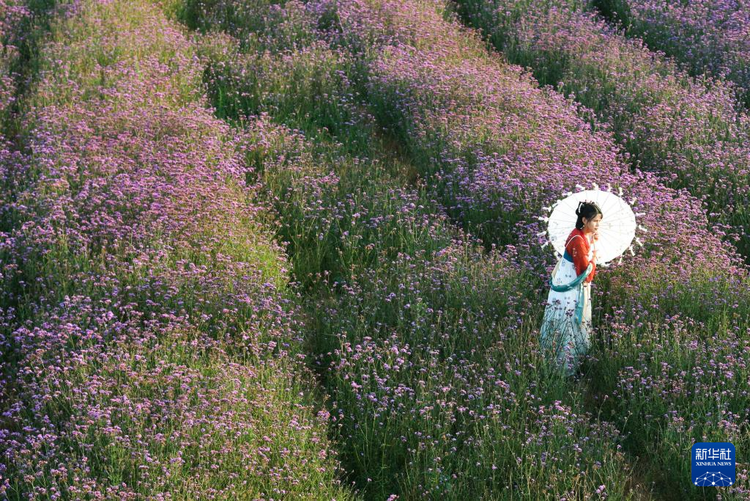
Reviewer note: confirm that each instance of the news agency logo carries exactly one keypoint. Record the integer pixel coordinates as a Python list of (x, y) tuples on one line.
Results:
[(713, 464)]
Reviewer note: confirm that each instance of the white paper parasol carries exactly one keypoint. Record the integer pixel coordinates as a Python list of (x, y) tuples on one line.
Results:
[(616, 229)]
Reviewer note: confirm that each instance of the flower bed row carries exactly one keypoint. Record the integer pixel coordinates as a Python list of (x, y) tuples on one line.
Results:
[(364, 375), (689, 132), (420, 80), (427, 347), (672, 351), (706, 37), (499, 148), (150, 346)]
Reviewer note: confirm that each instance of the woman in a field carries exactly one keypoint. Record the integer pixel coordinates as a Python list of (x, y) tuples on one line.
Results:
[(567, 317)]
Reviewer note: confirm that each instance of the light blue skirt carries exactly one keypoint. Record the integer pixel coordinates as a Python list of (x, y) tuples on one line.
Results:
[(564, 339)]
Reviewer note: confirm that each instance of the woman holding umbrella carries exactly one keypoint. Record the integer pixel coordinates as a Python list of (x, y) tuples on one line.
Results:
[(567, 317)]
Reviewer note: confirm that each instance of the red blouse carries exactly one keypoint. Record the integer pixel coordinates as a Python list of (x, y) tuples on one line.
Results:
[(578, 247)]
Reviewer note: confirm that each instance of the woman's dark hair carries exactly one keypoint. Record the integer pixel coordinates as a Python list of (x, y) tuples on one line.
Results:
[(589, 210)]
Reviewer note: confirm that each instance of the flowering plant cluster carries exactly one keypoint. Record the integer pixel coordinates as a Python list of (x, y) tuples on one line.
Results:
[(691, 135), (706, 37), (186, 219), (493, 148), (396, 313), (150, 349), (687, 131), (12, 16)]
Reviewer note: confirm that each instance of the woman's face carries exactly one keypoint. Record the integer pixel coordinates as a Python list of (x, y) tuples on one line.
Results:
[(591, 225)]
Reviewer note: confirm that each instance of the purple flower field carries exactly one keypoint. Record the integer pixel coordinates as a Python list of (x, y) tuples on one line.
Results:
[(707, 37), (149, 348), (692, 133), (256, 249)]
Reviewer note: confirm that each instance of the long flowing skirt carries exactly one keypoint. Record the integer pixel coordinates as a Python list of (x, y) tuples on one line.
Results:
[(564, 340)]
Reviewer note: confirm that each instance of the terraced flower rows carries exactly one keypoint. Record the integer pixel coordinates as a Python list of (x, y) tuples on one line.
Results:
[(706, 37), (385, 110), (149, 348), (689, 132), (564, 44), (389, 414), (152, 338)]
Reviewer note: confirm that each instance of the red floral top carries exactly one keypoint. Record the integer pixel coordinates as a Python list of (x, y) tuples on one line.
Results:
[(578, 247)]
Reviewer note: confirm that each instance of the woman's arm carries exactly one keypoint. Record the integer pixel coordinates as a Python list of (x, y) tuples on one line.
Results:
[(577, 249)]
